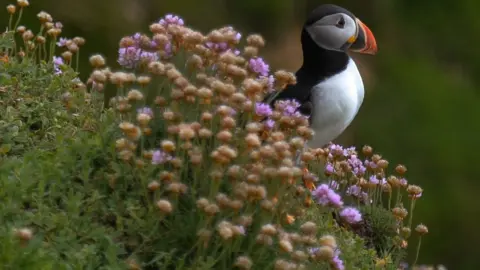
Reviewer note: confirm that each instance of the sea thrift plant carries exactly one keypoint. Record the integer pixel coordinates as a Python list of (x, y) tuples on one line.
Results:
[(188, 167)]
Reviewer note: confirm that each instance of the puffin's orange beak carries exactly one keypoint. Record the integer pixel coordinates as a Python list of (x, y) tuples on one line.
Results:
[(365, 42)]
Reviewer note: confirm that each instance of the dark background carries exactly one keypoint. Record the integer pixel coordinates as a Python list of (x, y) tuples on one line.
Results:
[(421, 106)]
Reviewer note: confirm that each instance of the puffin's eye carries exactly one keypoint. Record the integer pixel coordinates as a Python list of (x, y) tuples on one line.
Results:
[(341, 23)]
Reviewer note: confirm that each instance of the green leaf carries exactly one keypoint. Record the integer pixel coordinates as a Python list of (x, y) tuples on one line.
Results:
[(7, 41), (5, 148)]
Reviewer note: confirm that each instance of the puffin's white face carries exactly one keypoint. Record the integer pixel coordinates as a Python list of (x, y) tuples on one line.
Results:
[(335, 32)]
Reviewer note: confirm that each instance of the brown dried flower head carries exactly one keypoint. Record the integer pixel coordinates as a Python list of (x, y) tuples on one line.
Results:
[(421, 229), (401, 169), (135, 95), (24, 234), (328, 240), (243, 262), (23, 3), (44, 17), (400, 212), (256, 40), (97, 61), (165, 206), (11, 9)]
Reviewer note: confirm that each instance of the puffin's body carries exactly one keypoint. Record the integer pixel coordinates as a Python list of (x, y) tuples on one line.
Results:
[(329, 86), (335, 102)]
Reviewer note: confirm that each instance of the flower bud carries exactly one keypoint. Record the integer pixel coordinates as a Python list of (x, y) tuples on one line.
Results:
[(421, 229)]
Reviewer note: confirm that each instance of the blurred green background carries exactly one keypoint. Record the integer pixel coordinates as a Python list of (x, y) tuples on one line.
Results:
[(421, 106)]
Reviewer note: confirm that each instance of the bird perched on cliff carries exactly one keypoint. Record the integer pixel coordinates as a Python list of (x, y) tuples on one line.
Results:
[(329, 86)]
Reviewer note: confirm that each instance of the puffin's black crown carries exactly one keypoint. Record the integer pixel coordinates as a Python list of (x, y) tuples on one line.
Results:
[(325, 10)]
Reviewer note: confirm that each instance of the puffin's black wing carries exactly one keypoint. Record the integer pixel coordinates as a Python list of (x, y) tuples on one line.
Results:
[(301, 92)]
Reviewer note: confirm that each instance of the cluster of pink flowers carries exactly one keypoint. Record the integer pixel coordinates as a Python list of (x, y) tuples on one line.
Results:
[(259, 66), (326, 196), (160, 157), (145, 110), (57, 62), (131, 56), (287, 107), (222, 47), (351, 215), (171, 19)]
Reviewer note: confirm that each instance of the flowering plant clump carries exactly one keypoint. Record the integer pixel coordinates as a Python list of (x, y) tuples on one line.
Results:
[(188, 167)]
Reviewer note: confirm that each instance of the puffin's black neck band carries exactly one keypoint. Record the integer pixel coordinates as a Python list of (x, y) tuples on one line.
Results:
[(320, 62)]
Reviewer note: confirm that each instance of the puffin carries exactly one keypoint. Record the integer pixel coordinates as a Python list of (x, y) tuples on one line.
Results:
[(329, 86)]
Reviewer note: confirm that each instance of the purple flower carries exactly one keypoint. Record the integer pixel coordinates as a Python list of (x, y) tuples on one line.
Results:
[(241, 229), (356, 165), (354, 190), (145, 110), (351, 215), (259, 66), (269, 124), (129, 56), (238, 36), (339, 150), (219, 47), (171, 19), (374, 180), (324, 196), (168, 48), (403, 182), (312, 250), (58, 25), (148, 57), (329, 169), (57, 62), (62, 42), (288, 107), (370, 164), (263, 109), (335, 149), (337, 263), (349, 151), (160, 157), (236, 52)]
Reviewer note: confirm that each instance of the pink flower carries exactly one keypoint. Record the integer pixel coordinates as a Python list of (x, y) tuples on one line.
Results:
[(351, 215), (259, 66), (325, 196)]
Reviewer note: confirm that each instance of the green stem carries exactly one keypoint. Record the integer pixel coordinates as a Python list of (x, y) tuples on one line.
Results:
[(418, 250), (39, 53), (412, 206), (77, 60), (10, 20), (390, 200), (19, 18), (398, 196), (44, 49), (52, 49)]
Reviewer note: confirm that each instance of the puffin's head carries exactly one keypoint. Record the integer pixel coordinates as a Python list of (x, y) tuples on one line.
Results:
[(334, 28)]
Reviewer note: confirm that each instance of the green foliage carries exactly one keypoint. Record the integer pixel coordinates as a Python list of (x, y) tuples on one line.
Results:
[(32, 111)]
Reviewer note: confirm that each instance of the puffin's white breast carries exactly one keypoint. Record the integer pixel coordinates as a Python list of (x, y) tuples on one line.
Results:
[(336, 101)]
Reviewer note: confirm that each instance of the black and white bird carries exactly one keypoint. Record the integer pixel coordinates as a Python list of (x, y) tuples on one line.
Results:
[(329, 86)]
